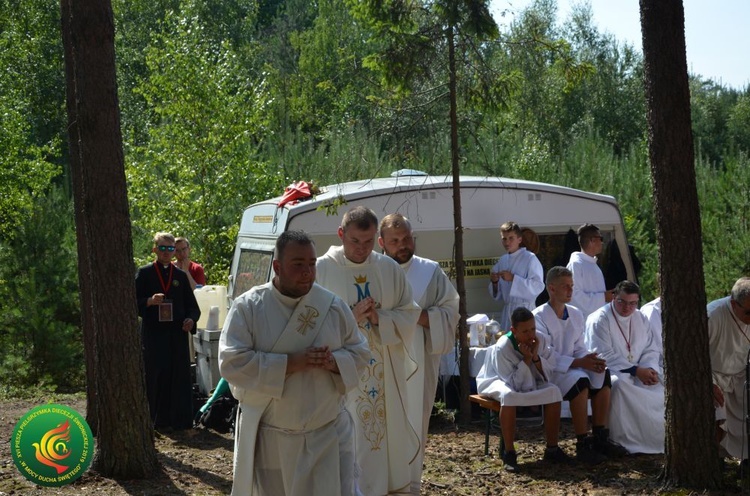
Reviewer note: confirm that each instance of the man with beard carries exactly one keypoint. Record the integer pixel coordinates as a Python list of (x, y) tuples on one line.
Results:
[(436, 327), (621, 335)]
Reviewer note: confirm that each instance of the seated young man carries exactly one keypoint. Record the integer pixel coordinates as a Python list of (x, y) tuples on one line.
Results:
[(621, 335), (580, 373), (515, 374)]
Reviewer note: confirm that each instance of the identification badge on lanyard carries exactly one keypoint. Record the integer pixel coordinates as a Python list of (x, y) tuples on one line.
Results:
[(165, 307), (165, 311)]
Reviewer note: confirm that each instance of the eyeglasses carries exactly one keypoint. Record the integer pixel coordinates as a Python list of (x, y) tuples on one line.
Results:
[(624, 303), (165, 248), (745, 310)]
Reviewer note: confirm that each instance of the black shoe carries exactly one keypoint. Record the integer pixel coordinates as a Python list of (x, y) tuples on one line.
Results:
[(586, 453), (742, 469), (605, 446), (556, 455), (510, 461)]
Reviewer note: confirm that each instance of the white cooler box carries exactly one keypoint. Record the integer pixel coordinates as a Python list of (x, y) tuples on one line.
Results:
[(206, 343)]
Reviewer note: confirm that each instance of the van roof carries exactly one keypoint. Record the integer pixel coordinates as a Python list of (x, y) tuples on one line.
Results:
[(365, 188)]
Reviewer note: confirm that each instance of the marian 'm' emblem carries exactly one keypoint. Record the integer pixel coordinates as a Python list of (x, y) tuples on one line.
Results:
[(363, 287), (307, 320)]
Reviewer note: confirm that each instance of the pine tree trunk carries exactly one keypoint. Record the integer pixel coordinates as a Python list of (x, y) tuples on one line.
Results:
[(125, 443), (691, 452)]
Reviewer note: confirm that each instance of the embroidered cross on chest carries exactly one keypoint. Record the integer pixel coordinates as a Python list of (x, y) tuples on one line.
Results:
[(307, 320)]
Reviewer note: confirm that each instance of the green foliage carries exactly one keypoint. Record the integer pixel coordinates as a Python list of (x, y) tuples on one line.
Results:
[(223, 103), (199, 167), (711, 106), (725, 202), (31, 116), (326, 92), (40, 336), (25, 172)]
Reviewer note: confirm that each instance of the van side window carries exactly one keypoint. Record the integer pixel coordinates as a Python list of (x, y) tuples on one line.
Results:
[(253, 269)]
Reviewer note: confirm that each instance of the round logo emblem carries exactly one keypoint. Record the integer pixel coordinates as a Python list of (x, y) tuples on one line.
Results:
[(52, 445)]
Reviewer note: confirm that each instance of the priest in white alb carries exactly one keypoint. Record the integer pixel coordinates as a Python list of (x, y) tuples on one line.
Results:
[(729, 346), (291, 351), (436, 328), (621, 335), (376, 289)]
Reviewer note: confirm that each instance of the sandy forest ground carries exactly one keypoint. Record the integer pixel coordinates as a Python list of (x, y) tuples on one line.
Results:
[(200, 463)]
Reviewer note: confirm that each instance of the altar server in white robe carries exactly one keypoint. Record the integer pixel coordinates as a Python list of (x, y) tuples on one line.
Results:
[(589, 290), (578, 372), (290, 351), (436, 328), (517, 278), (621, 335), (729, 344), (376, 289), (516, 372)]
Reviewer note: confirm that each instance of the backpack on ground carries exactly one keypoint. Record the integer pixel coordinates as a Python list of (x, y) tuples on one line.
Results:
[(220, 414)]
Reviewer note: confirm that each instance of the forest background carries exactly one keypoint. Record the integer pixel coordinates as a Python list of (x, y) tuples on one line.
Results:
[(225, 102)]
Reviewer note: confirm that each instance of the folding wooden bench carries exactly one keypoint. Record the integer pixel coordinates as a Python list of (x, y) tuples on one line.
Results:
[(489, 405)]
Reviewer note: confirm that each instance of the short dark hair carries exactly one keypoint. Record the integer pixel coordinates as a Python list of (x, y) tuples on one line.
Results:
[(520, 314), (297, 237), (556, 273), (586, 232), (627, 287), (361, 217), (511, 226)]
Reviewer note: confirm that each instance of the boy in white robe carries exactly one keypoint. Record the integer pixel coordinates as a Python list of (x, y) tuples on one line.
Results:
[(620, 334), (376, 289), (589, 290), (579, 373), (517, 278), (436, 328), (290, 351), (729, 344), (515, 373)]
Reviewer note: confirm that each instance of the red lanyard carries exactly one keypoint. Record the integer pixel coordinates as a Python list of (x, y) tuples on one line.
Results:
[(630, 331), (164, 287)]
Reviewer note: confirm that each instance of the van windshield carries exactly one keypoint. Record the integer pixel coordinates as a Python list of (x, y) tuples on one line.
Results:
[(253, 269)]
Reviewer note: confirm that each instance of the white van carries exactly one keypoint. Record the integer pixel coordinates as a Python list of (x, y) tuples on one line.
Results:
[(548, 211)]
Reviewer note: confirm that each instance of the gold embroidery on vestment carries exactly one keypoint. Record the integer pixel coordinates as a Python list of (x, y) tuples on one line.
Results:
[(307, 320)]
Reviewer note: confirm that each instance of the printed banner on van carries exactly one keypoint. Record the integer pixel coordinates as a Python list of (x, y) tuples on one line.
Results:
[(474, 267)]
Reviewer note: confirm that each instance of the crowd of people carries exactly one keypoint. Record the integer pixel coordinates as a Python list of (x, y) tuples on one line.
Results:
[(335, 361), (594, 348)]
